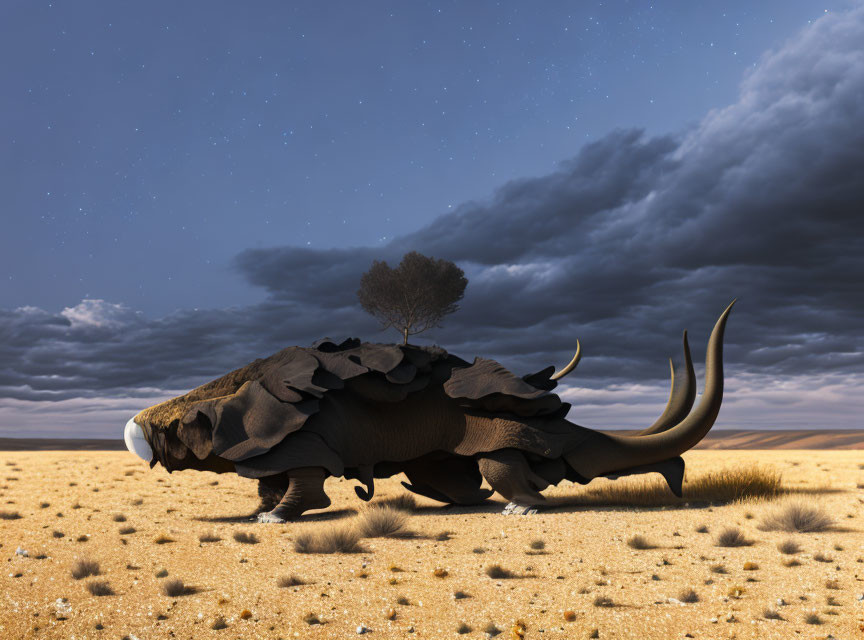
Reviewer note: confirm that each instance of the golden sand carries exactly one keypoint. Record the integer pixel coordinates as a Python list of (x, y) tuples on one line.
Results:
[(585, 560)]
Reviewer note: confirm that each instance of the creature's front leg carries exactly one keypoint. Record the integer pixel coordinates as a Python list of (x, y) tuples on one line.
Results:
[(305, 492)]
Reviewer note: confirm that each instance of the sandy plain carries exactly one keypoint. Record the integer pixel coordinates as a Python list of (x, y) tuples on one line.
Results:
[(73, 505)]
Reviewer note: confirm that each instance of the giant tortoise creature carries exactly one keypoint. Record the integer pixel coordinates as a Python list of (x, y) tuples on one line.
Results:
[(365, 411)]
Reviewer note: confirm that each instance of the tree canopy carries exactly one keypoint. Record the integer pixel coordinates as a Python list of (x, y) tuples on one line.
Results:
[(413, 297)]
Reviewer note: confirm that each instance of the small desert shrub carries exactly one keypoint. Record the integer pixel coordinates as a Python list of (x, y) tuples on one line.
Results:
[(162, 573), (335, 540), (702, 528), (497, 572), (138, 502), (640, 542), (491, 630), (751, 566), (85, 568), (440, 573), (603, 601), (537, 545), (797, 516), (125, 531), (821, 557), (463, 628), (771, 614), (208, 537), (460, 595), (689, 596), (82, 538), (163, 539), (44, 505), (100, 588), (478, 550), (10, 515), (791, 562), (733, 537), (383, 522), (58, 534), (219, 623), (289, 581), (246, 538), (403, 601), (402, 502), (789, 547), (176, 588), (444, 536), (119, 517), (832, 584), (812, 618)]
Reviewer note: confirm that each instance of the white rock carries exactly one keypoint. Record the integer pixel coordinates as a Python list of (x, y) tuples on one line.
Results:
[(21, 552), (361, 629)]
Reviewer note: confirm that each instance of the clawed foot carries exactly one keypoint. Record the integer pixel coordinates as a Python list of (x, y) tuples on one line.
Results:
[(515, 509), (270, 517)]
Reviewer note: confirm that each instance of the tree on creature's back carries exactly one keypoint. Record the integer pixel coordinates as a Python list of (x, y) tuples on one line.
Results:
[(413, 297)]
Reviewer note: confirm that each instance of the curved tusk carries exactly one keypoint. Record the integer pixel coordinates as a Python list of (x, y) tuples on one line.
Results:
[(570, 366), (681, 396)]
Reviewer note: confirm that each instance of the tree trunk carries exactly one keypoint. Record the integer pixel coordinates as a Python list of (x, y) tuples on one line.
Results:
[(405, 335)]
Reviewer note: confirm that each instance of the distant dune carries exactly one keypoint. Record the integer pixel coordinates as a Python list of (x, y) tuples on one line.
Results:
[(719, 439), (784, 439)]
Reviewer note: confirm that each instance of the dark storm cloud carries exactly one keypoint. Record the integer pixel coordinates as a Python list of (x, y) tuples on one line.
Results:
[(627, 244), (637, 238)]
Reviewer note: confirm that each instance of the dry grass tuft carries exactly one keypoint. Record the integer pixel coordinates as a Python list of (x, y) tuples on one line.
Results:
[(208, 537), (821, 557), (219, 623), (176, 588), (797, 516), (771, 614), (497, 572), (9, 515), (289, 581), (463, 628), (603, 601), (789, 547), (491, 630), (163, 539), (383, 522), (813, 618), (640, 542), (537, 545), (722, 486), (733, 537), (85, 568), (401, 502), (246, 538), (332, 540), (125, 531), (100, 588), (689, 596), (119, 517)]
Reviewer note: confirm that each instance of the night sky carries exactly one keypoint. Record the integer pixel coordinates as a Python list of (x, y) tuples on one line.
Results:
[(189, 186)]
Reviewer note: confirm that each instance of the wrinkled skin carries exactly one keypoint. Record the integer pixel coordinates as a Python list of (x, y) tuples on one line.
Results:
[(365, 411)]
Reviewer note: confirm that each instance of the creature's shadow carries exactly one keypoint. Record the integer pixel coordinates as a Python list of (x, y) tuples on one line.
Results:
[(322, 516)]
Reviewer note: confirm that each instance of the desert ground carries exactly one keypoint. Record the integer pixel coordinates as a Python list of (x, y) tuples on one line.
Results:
[(573, 570)]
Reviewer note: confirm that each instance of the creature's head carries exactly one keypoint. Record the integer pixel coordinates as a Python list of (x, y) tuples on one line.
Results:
[(178, 433)]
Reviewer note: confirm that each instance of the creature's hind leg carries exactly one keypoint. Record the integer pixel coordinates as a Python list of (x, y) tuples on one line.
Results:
[(305, 492), (271, 489), (508, 472), (451, 479)]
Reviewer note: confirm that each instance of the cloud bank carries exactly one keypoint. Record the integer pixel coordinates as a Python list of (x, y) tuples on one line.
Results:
[(628, 243)]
